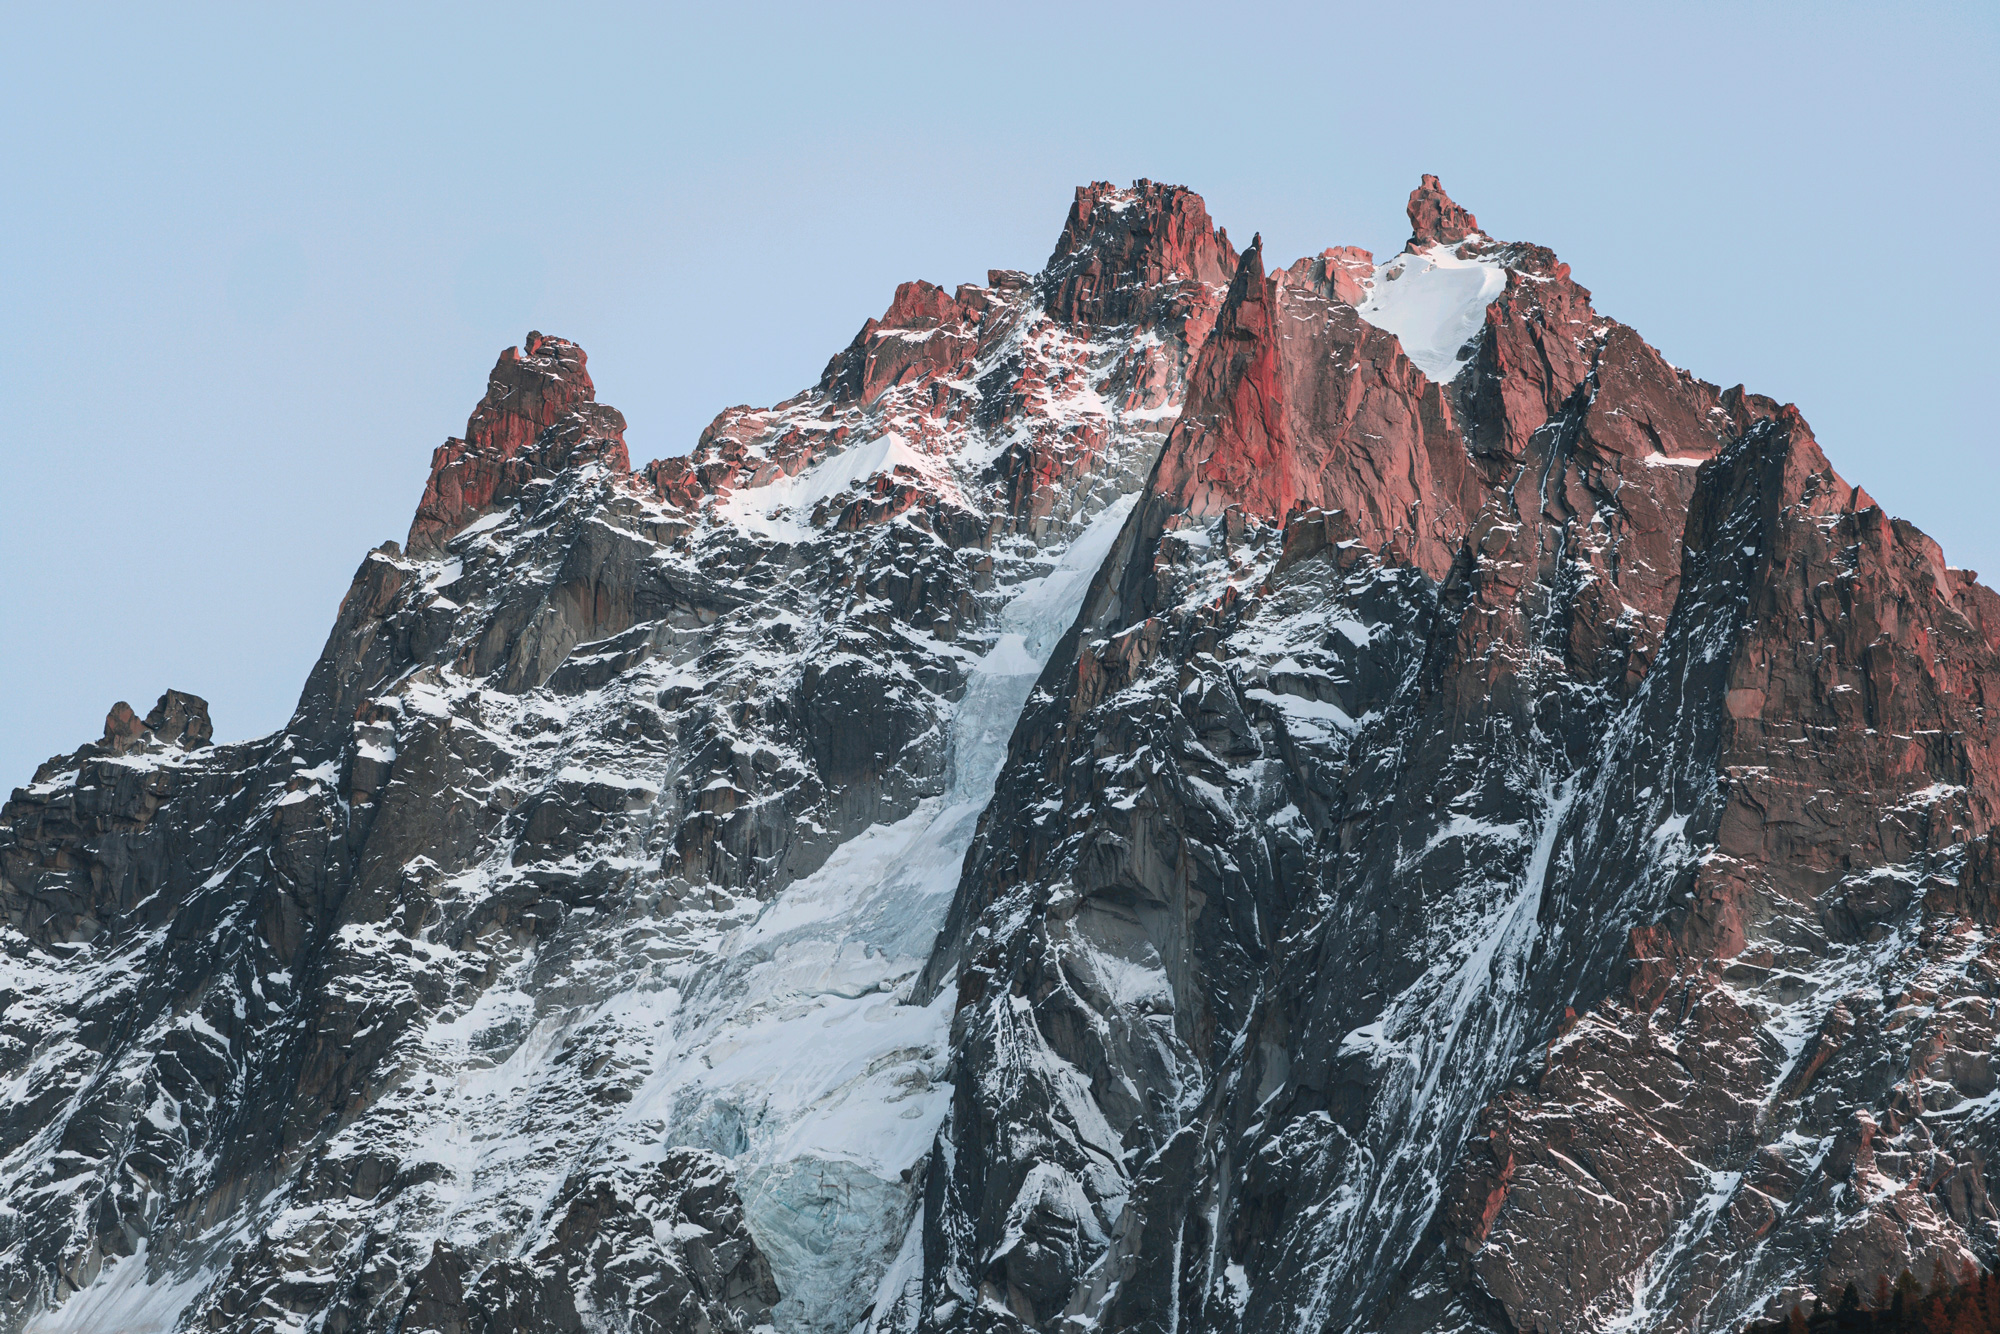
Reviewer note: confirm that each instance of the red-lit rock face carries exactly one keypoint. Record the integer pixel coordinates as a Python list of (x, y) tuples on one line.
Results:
[(1435, 219), (539, 416), (1300, 404), (1122, 251)]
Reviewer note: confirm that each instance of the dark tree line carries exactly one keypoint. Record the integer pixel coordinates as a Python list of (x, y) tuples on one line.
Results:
[(1970, 1306)]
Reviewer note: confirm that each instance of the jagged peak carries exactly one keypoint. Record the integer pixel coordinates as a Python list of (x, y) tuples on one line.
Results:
[(1130, 262), (1120, 249), (530, 387), (920, 305), (177, 719), (538, 416), (1435, 218), (1119, 244), (1101, 207)]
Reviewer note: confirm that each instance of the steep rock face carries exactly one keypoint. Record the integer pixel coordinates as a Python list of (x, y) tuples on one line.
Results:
[(1156, 795), (1784, 1088), (549, 969), (539, 417)]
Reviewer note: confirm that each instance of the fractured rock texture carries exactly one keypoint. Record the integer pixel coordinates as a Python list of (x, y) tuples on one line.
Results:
[(1163, 794)]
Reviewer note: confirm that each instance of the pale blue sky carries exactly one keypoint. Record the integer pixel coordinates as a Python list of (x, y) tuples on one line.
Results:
[(254, 268)]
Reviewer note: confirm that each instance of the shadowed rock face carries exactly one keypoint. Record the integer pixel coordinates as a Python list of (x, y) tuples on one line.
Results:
[(1163, 794)]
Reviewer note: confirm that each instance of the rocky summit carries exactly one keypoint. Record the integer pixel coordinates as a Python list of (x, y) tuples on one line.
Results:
[(1170, 793)]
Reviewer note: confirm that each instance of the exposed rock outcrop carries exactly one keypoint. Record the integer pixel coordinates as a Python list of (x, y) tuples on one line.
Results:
[(1435, 219), (540, 416), (178, 719)]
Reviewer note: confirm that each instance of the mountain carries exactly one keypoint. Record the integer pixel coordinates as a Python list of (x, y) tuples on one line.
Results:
[(1159, 794)]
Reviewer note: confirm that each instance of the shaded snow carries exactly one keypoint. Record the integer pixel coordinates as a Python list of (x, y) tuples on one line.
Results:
[(782, 509), (123, 1300), (800, 1060)]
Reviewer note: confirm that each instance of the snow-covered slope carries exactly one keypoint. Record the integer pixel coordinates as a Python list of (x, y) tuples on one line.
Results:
[(1435, 302)]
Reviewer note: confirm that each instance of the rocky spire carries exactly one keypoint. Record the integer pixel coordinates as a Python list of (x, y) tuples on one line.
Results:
[(1231, 446), (1119, 246), (539, 416), (1125, 256), (1435, 218), (177, 719)]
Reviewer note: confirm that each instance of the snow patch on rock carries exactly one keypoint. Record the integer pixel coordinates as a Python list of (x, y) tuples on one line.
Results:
[(1434, 301)]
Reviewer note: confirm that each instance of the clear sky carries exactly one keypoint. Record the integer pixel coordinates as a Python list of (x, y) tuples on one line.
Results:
[(254, 267)]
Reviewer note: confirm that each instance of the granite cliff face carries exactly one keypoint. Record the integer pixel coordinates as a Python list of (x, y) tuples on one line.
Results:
[(1162, 794)]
